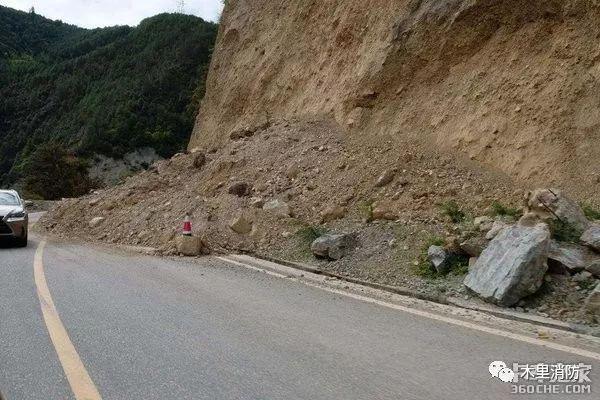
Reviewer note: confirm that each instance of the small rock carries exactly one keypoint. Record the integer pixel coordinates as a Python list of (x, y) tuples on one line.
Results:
[(592, 303), (293, 172), (529, 219), (552, 203), (333, 213), (439, 258), (383, 211), (496, 228), (581, 276), (93, 202), (199, 160), (96, 222), (279, 208), (189, 246), (403, 181), (386, 178), (241, 133), (569, 257), (474, 246), (594, 268), (240, 189), (331, 246), (257, 202), (483, 223), (591, 237), (241, 225)]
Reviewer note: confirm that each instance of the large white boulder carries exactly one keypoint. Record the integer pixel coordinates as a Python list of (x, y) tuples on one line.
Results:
[(512, 266)]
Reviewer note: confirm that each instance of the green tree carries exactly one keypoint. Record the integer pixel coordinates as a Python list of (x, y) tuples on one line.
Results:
[(51, 172)]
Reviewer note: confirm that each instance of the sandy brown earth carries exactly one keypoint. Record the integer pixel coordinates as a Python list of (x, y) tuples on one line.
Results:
[(513, 85)]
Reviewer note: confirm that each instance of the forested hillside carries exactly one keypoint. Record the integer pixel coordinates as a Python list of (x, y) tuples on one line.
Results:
[(68, 93)]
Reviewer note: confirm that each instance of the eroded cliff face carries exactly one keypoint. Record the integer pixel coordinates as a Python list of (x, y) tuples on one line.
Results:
[(512, 84)]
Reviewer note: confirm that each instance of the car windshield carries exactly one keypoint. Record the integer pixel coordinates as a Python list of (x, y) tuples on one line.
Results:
[(8, 199)]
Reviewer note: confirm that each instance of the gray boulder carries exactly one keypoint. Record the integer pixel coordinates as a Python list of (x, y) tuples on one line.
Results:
[(592, 303), (331, 246), (512, 266), (591, 237), (279, 208), (594, 268), (552, 203), (439, 258), (569, 257)]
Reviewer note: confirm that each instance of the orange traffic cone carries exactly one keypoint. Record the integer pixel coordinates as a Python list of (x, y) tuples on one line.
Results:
[(187, 226)]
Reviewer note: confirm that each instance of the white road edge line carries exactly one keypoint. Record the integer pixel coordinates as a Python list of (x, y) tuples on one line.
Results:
[(81, 384), (436, 317)]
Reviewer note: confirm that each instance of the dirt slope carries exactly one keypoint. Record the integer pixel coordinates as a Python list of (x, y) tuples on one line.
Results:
[(510, 84)]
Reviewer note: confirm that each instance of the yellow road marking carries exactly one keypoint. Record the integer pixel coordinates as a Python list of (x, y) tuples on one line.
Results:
[(81, 384), (436, 317)]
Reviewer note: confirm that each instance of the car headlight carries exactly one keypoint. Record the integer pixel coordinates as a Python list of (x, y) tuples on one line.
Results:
[(16, 216)]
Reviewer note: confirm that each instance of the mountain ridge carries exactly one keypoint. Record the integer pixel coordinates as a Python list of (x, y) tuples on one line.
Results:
[(105, 91)]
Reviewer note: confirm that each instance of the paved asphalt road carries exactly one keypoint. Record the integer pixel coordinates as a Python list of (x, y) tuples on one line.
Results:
[(152, 328)]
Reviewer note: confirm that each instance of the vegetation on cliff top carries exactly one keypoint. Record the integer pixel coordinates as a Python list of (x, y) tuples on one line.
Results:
[(102, 91)]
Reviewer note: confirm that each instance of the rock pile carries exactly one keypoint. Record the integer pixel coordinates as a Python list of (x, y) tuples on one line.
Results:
[(514, 263), (273, 192)]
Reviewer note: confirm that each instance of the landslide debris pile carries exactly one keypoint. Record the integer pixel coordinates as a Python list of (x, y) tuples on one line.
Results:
[(299, 189), (279, 179)]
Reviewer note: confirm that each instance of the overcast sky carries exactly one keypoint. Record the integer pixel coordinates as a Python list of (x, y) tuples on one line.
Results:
[(101, 13)]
